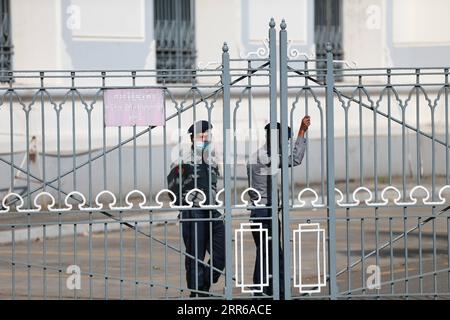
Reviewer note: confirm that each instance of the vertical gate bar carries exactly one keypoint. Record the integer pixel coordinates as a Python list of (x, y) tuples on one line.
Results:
[(149, 165), (195, 255), (347, 178), (89, 114), (377, 239), (375, 174), (91, 286), (105, 250), (226, 80), (11, 140), (322, 159), (90, 185), (418, 158), (349, 269), (249, 97), (291, 185), (165, 145), (403, 153), (59, 256), (43, 131), (135, 260), (361, 142), (211, 201), (274, 188), (75, 253), (44, 260), (405, 243), (375, 153), (180, 271), (121, 254), (27, 142), (347, 210), (104, 133), (165, 259), (389, 127), (211, 246), (180, 216), (74, 146), (307, 133), (419, 223), (119, 128), (331, 213), (362, 256), (133, 75), (448, 253), (284, 162), (151, 254), (194, 119), (433, 226), (58, 154), (447, 149), (391, 256), (29, 255), (13, 263), (235, 202), (433, 155)]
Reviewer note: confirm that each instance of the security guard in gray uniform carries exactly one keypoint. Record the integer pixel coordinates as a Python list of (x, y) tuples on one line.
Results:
[(197, 168), (259, 174)]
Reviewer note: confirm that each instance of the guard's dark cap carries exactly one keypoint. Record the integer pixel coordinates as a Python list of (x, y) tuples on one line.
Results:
[(267, 127), (199, 127)]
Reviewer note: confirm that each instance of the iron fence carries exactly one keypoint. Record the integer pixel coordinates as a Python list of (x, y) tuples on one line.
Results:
[(363, 216)]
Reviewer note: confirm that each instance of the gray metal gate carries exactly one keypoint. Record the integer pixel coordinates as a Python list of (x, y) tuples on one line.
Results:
[(86, 212)]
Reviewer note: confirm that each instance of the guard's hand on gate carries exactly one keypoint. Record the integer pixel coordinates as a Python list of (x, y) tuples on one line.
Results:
[(306, 122)]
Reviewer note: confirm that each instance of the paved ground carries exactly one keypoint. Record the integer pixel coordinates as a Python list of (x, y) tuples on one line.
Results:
[(145, 267)]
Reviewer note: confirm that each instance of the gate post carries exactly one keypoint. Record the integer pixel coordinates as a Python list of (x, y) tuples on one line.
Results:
[(274, 173), (331, 209), (226, 80), (284, 161)]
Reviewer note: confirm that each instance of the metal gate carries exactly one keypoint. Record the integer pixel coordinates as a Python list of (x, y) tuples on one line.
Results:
[(87, 213)]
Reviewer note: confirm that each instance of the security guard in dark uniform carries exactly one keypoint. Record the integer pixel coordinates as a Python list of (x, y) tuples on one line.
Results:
[(197, 168)]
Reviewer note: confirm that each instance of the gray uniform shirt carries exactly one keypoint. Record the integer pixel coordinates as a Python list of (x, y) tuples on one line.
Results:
[(259, 169)]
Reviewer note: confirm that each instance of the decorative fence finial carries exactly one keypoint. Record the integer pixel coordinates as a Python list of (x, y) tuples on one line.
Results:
[(272, 23), (225, 47), (283, 24)]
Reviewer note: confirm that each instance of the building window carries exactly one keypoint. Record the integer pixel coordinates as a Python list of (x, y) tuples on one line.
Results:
[(328, 28), (175, 40), (6, 48)]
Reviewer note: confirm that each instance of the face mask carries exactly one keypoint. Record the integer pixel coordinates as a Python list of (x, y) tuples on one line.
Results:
[(201, 144)]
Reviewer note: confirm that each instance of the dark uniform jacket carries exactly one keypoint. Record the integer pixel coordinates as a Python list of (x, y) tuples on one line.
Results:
[(195, 169)]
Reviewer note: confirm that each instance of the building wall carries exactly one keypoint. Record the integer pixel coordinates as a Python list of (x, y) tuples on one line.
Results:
[(36, 34), (105, 34)]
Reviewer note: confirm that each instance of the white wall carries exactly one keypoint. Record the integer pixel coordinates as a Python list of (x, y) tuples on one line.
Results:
[(38, 44), (421, 22), (216, 22), (36, 34), (364, 32)]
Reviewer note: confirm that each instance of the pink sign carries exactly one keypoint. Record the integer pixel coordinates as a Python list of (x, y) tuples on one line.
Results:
[(130, 107)]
